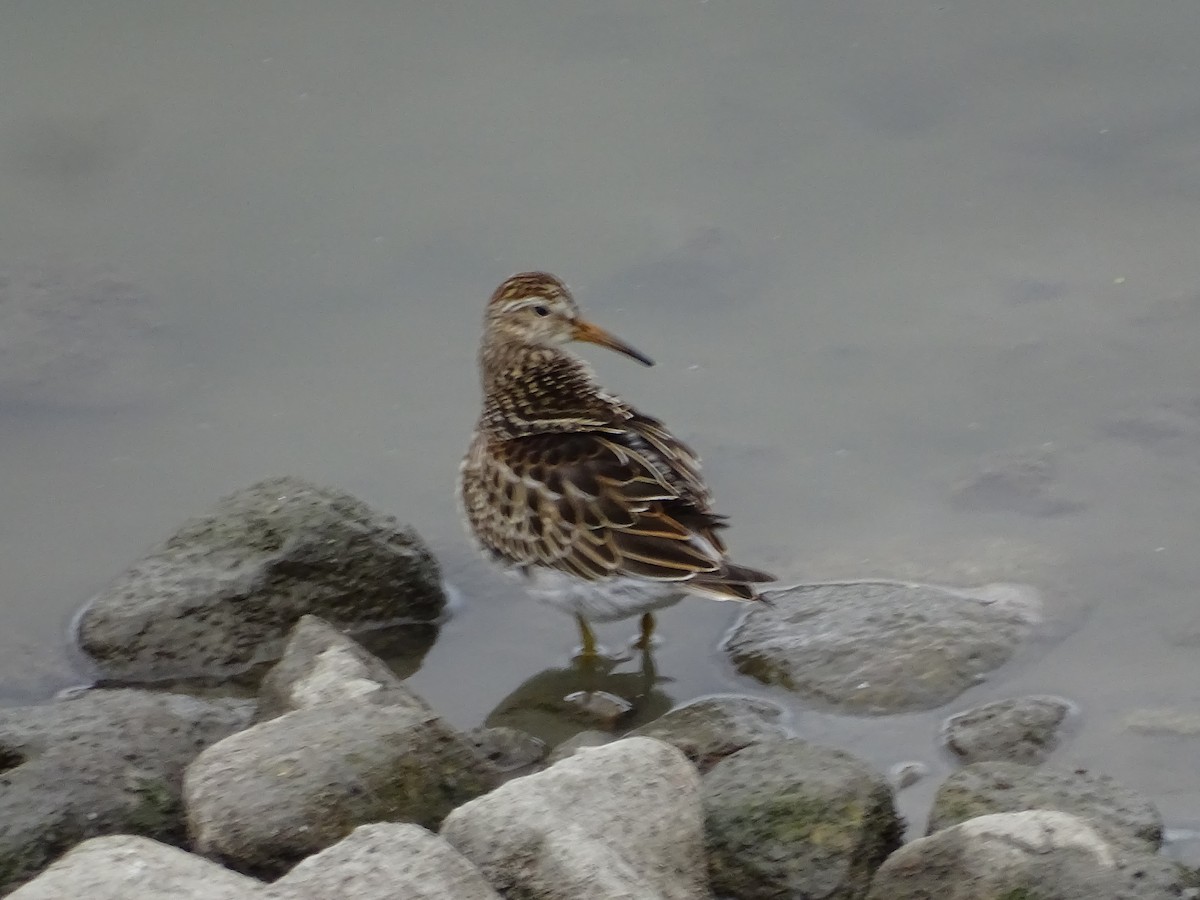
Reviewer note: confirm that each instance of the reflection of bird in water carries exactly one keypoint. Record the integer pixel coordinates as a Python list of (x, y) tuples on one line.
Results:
[(599, 506), (558, 703)]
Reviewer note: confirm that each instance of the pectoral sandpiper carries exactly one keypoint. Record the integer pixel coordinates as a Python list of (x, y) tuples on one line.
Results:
[(598, 505)]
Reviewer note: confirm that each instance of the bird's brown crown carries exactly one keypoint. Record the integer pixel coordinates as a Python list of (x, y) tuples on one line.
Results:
[(526, 285)]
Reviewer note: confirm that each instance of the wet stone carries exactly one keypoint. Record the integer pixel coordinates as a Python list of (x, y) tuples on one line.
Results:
[(1022, 730), (879, 647)]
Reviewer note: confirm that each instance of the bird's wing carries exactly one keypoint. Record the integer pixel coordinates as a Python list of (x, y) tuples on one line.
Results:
[(619, 501)]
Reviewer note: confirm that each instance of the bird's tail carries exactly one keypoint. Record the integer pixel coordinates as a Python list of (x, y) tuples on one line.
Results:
[(732, 583)]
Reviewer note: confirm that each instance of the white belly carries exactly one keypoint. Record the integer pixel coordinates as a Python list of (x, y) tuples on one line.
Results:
[(601, 601)]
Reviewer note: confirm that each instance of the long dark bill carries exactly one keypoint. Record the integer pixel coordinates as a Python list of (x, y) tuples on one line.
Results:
[(594, 334)]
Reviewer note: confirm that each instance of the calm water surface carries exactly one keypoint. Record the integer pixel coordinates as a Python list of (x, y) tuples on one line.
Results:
[(872, 245)]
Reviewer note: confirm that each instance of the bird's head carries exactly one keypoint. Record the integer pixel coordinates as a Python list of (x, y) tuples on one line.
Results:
[(537, 308)]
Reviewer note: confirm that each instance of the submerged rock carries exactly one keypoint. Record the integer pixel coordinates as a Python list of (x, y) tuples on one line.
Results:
[(510, 750), (1163, 722), (1124, 817), (1026, 855), (712, 728), (599, 709), (102, 762), (622, 820), (1022, 730), (576, 742), (219, 596), (77, 338), (788, 818), (1023, 482), (906, 773), (880, 647)]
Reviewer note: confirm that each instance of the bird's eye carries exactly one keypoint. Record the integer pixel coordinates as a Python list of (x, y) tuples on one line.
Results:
[(542, 310)]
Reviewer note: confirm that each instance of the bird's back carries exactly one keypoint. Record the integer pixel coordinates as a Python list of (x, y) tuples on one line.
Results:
[(561, 476)]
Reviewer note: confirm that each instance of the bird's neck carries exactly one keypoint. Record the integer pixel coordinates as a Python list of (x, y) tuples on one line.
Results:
[(535, 389)]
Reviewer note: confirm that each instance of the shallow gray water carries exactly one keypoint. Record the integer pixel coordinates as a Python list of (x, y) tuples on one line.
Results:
[(870, 244)]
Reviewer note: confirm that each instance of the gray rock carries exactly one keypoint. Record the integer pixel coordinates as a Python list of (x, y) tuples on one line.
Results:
[(322, 665), (510, 750), (710, 729), (792, 819), (619, 821), (385, 861), (102, 762), (77, 337), (125, 867), (219, 596), (266, 797), (1022, 730), (880, 647), (1031, 855), (581, 741), (1122, 816)]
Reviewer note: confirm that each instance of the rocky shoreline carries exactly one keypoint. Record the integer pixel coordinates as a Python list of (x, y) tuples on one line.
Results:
[(336, 780)]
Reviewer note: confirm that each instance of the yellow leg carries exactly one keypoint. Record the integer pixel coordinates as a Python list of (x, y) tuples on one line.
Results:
[(646, 640), (588, 649)]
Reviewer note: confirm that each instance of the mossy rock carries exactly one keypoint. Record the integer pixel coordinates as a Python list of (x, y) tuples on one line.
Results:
[(788, 818)]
